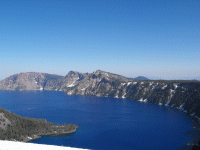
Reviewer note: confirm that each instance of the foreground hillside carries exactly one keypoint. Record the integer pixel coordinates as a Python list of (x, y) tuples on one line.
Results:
[(11, 145), (16, 128)]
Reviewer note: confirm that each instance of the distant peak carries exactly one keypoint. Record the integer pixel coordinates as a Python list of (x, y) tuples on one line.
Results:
[(98, 71), (141, 78)]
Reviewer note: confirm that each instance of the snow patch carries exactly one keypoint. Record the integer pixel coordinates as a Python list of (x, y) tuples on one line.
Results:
[(71, 85), (181, 107), (124, 95), (175, 86), (141, 100), (14, 145), (123, 84), (168, 102), (164, 87), (172, 92), (192, 114), (128, 83), (134, 83), (145, 100)]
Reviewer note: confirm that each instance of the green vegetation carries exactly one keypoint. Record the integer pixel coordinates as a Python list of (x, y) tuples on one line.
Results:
[(24, 129)]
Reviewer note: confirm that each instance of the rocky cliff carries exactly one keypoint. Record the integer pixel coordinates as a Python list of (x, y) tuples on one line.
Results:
[(184, 95), (181, 94), (41, 81)]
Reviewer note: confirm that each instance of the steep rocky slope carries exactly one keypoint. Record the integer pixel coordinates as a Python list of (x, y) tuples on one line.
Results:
[(41, 81), (184, 95), (180, 94), (30, 81)]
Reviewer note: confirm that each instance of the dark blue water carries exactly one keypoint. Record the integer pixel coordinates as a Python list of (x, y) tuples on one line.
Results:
[(104, 123)]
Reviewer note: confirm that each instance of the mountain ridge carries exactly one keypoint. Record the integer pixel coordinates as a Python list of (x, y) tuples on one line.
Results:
[(182, 94)]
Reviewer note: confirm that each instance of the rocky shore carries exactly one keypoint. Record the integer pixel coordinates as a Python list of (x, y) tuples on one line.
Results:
[(49, 134)]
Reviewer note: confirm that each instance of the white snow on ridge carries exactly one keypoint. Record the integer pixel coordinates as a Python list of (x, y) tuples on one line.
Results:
[(168, 102), (175, 85), (117, 95), (164, 87), (145, 100), (128, 83), (192, 114), (71, 85), (172, 92), (134, 83), (124, 95), (123, 84), (13, 145), (141, 100), (181, 107), (185, 111)]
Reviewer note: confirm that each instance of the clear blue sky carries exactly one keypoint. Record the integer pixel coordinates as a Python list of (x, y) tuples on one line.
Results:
[(152, 38)]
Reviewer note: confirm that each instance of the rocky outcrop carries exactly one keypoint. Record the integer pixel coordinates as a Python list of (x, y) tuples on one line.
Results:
[(41, 81), (184, 95), (30, 81)]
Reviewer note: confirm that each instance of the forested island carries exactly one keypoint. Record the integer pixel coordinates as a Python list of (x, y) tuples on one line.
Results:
[(16, 128)]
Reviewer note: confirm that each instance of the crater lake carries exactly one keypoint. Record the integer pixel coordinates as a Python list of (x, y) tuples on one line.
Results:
[(104, 122)]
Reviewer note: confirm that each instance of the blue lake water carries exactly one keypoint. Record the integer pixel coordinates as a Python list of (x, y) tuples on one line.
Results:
[(104, 123)]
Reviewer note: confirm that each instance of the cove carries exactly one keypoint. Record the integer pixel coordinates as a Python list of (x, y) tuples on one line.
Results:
[(104, 122)]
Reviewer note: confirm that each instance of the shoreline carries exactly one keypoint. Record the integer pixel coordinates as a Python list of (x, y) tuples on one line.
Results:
[(194, 133), (48, 134)]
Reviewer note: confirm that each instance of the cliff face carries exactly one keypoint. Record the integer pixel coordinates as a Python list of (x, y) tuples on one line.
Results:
[(23, 81), (41, 81), (184, 95)]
